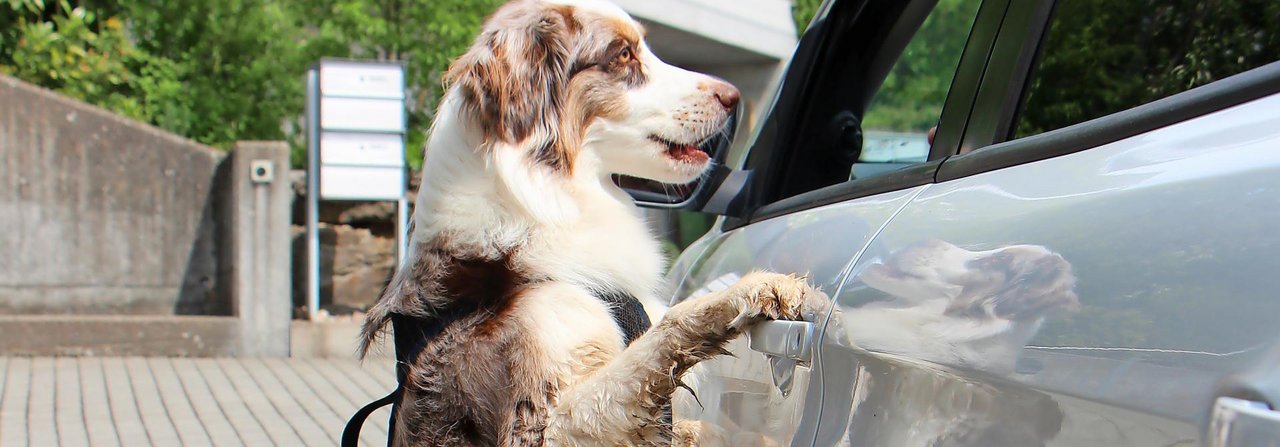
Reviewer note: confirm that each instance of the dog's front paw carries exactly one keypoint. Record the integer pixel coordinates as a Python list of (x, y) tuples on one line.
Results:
[(694, 433), (760, 295)]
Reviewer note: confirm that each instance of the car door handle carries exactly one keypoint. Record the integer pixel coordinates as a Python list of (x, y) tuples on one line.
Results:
[(791, 340), (1240, 422), (787, 344)]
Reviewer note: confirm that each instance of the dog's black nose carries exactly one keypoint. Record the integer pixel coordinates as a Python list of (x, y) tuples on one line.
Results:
[(727, 94)]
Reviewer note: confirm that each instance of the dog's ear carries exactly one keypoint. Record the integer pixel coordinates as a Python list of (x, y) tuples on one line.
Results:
[(1016, 286), (1043, 284), (513, 78)]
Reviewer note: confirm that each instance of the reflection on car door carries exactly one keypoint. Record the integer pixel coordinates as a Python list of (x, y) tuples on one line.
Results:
[(744, 396), (1106, 297)]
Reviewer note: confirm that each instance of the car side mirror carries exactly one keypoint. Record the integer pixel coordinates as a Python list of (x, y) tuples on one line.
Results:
[(708, 193)]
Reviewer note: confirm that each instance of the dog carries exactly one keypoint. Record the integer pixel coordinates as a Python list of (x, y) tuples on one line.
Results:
[(934, 314), (928, 303), (527, 296), (959, 307)]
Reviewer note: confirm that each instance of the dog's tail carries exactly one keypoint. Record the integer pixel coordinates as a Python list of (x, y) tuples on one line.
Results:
[(400, 296), (378, 317)]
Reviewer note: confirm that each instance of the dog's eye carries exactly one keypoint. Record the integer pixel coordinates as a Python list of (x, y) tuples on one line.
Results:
[(626, 55)]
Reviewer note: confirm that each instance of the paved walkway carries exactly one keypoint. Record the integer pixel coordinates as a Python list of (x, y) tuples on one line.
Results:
[(190, 402)]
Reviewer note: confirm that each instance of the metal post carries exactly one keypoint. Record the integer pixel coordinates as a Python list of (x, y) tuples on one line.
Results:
[(313, 193), (402, 227), (402, 207)]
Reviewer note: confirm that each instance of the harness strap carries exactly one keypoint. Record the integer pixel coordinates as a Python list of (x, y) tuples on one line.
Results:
[(351, 434), (410, 335)]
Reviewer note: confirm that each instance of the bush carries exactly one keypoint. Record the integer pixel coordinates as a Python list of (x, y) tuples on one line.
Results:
[(93, 60)]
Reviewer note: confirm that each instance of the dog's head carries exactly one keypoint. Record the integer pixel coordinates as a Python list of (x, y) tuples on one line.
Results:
[(1015, 282), (570, 85), (1018, 282)]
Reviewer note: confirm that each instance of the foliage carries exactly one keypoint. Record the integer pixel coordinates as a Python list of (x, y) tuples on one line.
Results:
[(1101, 56), (241, 71), (802, 12), (93, 60), (228, 70), (911, 97), (425, 36)]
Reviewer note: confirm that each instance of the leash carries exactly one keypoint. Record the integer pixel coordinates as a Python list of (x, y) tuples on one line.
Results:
[(351, 434), (407, 347)]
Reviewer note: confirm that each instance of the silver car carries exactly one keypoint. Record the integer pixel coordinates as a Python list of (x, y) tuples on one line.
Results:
[(1044, 223)]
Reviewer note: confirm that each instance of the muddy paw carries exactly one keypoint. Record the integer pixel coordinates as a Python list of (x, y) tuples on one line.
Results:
[(775, 296), (692, 433)]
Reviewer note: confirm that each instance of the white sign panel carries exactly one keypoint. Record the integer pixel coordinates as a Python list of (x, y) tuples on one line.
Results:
[(362, 114), (355, 147), (362, 149), (361, 182), (361, 80)]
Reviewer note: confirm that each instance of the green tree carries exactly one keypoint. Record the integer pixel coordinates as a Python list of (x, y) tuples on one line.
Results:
[(239, 63), (71, 49), (1102, 56), (222, 71), (424, 35), (911, 97), (802, 12)]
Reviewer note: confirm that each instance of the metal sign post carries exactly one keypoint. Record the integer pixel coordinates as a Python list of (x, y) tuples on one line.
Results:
[(355, 147)]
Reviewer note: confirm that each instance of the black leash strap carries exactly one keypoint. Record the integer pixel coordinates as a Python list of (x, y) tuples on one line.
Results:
[(351, 434), (410, 336)]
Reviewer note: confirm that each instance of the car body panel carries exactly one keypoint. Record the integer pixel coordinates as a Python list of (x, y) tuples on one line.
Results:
[(1167, 241), (738, 393)]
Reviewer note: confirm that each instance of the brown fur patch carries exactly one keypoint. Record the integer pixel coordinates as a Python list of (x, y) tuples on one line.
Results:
[(513, 77), (625, 30), (1016, 283), (469, 384)]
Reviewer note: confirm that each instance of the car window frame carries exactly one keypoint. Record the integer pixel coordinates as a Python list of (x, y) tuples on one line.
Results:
[(996, 108), (771, 158), (1009, 67)]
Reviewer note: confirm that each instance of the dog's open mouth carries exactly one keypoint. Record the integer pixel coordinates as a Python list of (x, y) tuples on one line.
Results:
[(682, 152)]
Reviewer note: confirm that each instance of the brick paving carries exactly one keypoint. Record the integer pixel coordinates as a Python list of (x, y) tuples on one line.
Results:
[(136, 401)]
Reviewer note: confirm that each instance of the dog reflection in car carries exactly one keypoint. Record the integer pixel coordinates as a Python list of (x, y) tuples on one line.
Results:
[(959, 307), (953, 307), (532, 279), (936, 302)]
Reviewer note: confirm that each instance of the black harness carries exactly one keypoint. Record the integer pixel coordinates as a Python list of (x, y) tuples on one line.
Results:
[(411, 335)]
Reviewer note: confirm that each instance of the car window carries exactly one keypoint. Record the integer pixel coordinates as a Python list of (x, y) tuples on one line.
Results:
[(898, 121), (1104, 56)]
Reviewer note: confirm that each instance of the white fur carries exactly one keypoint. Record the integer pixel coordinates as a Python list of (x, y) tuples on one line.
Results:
[(577, 232), (584, 229)]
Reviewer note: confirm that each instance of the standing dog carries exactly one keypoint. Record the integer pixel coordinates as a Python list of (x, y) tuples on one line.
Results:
[(532, 278)]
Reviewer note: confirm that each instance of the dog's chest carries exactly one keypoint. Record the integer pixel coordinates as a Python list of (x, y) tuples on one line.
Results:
[(610, 251)]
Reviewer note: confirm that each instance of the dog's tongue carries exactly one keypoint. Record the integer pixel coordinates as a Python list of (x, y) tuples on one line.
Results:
[(690, 153)]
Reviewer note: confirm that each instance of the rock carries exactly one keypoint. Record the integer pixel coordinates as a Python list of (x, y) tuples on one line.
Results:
[(355, 265), (379, 217), (365, 214)]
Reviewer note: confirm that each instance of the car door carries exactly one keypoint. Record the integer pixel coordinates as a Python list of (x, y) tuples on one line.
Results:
[(817, 223), (1097, 267)]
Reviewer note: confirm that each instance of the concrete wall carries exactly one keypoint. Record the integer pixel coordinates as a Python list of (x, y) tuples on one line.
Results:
[(100, 214), (254, 245), (726, 31)]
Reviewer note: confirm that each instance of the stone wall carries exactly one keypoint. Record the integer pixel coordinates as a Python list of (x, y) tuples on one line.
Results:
[(101, 214), (355, 264), (357, 250)]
